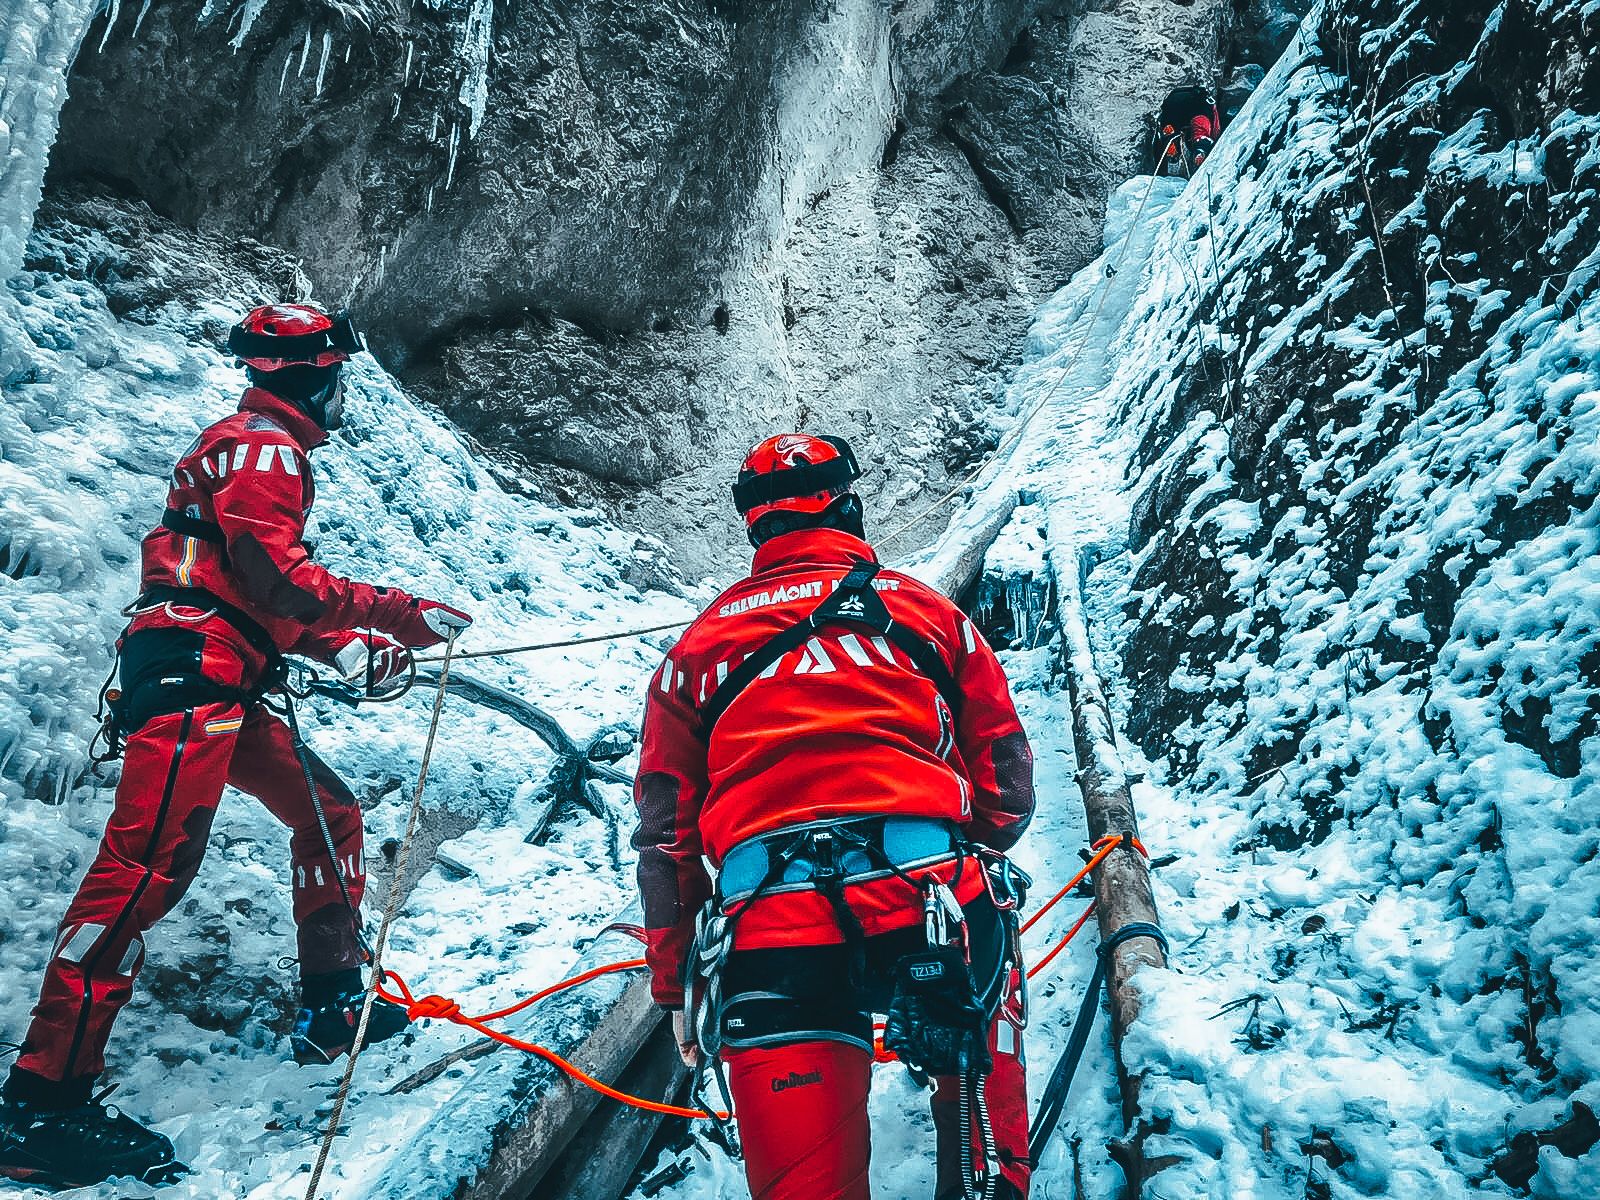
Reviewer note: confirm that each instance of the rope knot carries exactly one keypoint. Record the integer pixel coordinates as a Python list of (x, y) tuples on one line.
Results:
[(439, 1007)]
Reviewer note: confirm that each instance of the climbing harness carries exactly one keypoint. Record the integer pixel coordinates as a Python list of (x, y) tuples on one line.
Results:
[(167, 682)]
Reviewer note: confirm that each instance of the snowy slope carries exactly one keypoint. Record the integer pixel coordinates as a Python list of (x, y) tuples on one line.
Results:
[(87, 436), (1341, 520)]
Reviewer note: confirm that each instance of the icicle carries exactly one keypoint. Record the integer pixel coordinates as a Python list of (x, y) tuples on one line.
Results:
[(450, 168), (405, 80), (348, 46), (305, 53), (284, 78), (476, 38), (322, 67), (430, 197), (433, 130), (247, 20), (38, 42), (395, 111), (138, 22), (1021, 611), (113, 11)]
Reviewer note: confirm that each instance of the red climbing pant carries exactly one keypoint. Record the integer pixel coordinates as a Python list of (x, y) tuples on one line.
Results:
[(172, 779), (802, 1112), (796, 1038)]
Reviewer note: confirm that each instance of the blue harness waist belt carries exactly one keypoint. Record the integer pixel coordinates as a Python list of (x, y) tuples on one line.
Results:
[(805, 854)]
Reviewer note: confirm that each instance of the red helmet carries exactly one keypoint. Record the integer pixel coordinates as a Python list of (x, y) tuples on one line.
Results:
[(275, 336), (794, 472)]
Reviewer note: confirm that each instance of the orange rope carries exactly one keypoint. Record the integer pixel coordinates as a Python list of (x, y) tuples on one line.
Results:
[(444, 1009), (1062, 944), (1101, 848), (497, 1014)]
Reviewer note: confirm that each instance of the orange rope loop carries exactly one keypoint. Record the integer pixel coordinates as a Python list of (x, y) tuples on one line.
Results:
[(444, 1009)]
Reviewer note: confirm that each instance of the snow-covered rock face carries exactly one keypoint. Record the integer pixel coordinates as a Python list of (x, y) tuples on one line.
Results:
[(621, 241), (1321, 433), (1360, 398)]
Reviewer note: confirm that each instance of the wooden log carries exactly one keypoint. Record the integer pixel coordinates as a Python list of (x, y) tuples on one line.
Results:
[(558, 1106), (955, 561), (514, 1113), (1122, 881), (599, 1163)]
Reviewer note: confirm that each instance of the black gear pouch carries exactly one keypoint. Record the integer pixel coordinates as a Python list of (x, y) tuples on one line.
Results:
[(936, 1024)]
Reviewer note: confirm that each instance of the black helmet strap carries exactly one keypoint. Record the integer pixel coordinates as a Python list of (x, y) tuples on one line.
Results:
[(752, 490), (297, 347)]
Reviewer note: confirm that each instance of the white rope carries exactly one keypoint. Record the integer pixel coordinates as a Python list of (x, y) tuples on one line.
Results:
[(391, 905)]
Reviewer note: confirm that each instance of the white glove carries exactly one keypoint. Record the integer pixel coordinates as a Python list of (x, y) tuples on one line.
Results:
[(444, 620), (372, 662)]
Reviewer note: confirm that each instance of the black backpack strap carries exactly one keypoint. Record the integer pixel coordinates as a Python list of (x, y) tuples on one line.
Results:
[(855, 599), (182, 523)]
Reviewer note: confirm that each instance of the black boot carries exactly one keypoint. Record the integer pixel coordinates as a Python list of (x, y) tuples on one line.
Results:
[(325, 1026), (75, 1144)]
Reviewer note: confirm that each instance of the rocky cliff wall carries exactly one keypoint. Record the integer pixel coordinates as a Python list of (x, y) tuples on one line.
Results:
[(617, 241)]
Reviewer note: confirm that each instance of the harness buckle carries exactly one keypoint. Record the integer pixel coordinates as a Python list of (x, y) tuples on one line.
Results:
[(825, 858)]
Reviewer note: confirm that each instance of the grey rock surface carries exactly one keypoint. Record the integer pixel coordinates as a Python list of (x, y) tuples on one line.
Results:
[(618, 242)]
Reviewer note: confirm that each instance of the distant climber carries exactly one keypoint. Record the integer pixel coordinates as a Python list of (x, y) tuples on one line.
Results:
[(1189, 125), (838, 740), (228, 588)]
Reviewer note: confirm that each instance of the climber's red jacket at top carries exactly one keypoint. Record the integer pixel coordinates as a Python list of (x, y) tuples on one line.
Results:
[(842, 727), (235, 528)]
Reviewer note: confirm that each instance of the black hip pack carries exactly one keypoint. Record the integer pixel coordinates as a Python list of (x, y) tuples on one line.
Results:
[(936, 1023)]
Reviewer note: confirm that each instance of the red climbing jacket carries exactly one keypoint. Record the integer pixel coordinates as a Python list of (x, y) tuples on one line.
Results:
[(235, 527), (842, 727), (1190, 112)]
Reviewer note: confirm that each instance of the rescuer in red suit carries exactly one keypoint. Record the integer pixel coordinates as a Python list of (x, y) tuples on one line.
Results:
[(228, 588), (1190, 117), (839, 742)]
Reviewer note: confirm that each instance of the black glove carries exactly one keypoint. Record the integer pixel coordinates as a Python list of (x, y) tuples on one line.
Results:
[(936, 1024)]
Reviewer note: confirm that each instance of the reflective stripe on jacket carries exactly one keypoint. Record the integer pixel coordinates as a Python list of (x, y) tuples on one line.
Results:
[(249, 477)]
